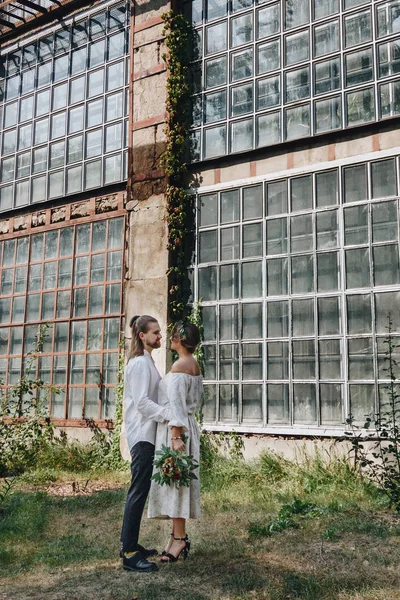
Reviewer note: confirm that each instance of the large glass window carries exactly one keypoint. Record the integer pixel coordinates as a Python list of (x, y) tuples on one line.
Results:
[(266, 57), (71, 279), (297, 279), (52, 90)]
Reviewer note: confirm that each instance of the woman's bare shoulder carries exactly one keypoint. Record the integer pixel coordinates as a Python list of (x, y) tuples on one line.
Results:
[(189, 366)]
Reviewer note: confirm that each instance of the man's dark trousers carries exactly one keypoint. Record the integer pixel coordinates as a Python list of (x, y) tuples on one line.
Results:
[(142, 455)]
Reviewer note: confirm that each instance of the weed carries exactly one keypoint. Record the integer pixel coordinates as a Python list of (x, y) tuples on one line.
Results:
[(284, 519)]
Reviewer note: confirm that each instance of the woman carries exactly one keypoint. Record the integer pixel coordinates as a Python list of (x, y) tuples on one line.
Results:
[(182, 389)]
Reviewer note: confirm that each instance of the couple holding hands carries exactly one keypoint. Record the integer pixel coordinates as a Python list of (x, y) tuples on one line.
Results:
[(160, 411)]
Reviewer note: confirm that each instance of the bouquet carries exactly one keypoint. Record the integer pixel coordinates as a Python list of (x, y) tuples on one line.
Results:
[(174, 466)]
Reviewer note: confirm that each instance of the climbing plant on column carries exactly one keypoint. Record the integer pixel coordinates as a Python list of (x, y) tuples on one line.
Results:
[(178, 40)]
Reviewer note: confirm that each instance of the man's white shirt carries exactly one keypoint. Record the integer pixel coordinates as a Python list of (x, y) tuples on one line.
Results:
[(142, 411)]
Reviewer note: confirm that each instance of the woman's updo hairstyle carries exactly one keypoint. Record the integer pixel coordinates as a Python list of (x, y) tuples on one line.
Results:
[(189, 335)]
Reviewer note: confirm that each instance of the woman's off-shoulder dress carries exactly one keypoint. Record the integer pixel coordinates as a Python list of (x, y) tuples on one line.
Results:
[(183, 393)]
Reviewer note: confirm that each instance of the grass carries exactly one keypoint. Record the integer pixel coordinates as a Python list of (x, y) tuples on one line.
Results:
[(60, 539)]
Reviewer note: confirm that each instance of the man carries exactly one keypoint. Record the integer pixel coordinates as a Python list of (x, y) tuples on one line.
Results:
[(142, 413)]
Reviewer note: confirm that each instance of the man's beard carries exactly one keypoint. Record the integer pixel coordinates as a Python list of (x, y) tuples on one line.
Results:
[(154, 345)]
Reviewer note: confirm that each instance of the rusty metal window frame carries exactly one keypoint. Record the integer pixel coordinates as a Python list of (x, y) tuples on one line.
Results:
[(26, 328)]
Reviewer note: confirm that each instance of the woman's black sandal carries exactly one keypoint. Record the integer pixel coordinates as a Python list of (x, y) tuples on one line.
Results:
[(185, 550), (164, 552)]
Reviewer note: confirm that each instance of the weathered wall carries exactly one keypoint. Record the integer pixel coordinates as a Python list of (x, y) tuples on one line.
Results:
[(313, 152)]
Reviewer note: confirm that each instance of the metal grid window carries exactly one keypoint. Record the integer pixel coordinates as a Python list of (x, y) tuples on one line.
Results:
[(70, 278), (296, 278), (63, 109), (267, 72)]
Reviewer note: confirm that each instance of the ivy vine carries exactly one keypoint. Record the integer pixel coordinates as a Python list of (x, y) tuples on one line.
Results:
[(178, 40)]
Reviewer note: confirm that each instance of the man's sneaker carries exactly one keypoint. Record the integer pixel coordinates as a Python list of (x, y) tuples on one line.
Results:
[(146, 552), (139, 563)]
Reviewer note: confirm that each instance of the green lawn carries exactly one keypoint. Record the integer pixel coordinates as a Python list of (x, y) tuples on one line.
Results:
[(343, 543)]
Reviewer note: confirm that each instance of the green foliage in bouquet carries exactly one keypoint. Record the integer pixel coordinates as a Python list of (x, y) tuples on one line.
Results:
[(174, 467)]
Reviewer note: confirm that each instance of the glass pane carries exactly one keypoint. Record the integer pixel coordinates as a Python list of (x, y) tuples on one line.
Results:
[(229, 208), (216, 38), (296, 13), (357, 28), (362, 402), (268, 57), (208, 283), (356, 225), (327, 230), (115, 233), (252, 240), (229, 243), (387, 306), (328, 316), (328, 272), (386, 264), (242, 30), (383, 175), (360, 107), (63, 304), (208, 316), (229, 282), (359, 317), (276, 198), (80, 299), (96, 294), (241, 135), (242, 100), (113, 298), (277, 276), (228, 322), (252, 327), (297, 48), (359, 67), (207, 246), (210, 362), (208, 210), (297, 84), (301, 236), (242, 65), (305, 409), (361, 365), (278, 403), (114, 266), (302, 274), (331, 403), (301, 193), (61, 337), (328, 114), (303, 317), (33, 305), (278, 319), (252, 202), (229, 361), (215, 141), (384, 221), (252, 361), (268, 21), (357, 268), (303, 359), (228, 403), (326, 38), (251, 279), (276, 236), (278, 360), (268, 129), (209, 403), (252, 403), (329, 359), (111, 334)]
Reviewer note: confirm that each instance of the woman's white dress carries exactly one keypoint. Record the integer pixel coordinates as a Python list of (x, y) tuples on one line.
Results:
[(183, 393)]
